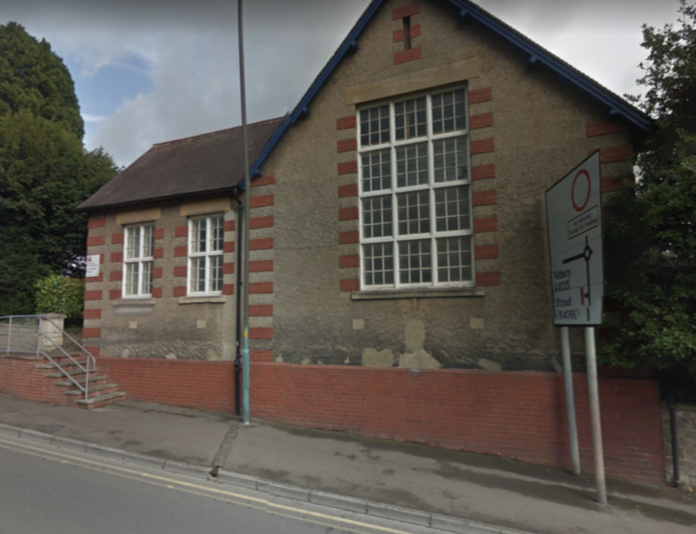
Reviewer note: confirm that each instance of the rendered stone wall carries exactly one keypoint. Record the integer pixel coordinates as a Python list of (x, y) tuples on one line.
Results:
[(528, 128), (686, 441), (170, 324)]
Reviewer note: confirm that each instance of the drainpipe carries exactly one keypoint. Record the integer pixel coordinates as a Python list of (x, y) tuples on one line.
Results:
[(238, 313), (673, 432)]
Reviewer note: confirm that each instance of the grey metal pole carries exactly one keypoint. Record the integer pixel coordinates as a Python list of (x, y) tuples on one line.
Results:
[(9, 336), (38, 337), (570, 399), (247, 190), (674, 439), (593, 390)]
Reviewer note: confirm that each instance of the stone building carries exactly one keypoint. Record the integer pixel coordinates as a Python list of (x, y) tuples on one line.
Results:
[(399, 272)]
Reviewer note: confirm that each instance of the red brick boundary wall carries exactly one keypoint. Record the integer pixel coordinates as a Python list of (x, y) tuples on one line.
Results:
[(519, 415), (20, 378), (186, 383)]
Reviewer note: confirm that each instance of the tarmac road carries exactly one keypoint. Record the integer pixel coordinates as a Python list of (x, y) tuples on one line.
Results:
[(414, 484), (48, 490)]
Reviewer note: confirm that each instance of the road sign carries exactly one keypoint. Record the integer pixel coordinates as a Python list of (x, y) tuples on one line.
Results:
[(574, 217)]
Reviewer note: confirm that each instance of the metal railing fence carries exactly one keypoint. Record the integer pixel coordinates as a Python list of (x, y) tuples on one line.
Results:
[(39, 335)]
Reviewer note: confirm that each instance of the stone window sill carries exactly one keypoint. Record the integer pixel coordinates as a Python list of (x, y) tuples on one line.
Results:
[(134, 302), (218, 299), (134, 306), (418, 293)]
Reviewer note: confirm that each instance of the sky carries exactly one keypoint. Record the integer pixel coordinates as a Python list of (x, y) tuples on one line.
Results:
[(148, 71)]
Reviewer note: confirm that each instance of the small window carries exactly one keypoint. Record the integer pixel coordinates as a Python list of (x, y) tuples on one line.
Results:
[(205, 255), (410, 119), (138, 260), (374, 126)]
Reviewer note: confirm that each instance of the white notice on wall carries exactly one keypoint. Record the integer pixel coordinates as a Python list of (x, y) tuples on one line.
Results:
[(92, 264), (574, 212)]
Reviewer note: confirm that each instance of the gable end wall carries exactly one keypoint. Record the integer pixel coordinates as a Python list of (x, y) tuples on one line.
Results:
[(527, 129)]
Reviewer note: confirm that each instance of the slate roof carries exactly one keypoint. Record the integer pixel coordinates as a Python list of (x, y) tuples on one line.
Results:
[(208, 163), (171, 170)]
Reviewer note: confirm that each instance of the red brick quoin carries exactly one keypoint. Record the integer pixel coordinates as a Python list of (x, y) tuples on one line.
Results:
[(262, 201), (348, 167), (348, 214), (264, 180), (487, 224), (347, 261), (404, 56), (481, 121), (94, 313), (350, 285), (261, 222), (348, 190), (347, 145), (346, 123), (96, 240), (480, 95), (406, 11), (398, 35)]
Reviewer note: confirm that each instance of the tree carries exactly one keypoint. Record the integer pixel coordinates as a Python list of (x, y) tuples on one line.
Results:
[(652, 273), (33, 78), (45, 172)]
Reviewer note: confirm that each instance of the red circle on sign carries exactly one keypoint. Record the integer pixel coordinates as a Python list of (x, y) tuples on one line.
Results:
[(589, 188)]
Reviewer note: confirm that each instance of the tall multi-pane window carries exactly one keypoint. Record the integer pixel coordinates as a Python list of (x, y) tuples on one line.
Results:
[(415, 206), (139, 244), (206, 237)]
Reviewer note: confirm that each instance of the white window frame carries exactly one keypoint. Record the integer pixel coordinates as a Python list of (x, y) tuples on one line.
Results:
[(393, 144), (211, 256), (142, 262)]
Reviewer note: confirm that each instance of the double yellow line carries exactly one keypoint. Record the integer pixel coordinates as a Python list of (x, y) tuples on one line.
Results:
[(299, 514)]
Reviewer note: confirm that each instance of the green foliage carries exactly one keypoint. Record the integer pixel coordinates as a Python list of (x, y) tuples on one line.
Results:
[(33, 78), (59, 294), (651, 239), (45, 172)]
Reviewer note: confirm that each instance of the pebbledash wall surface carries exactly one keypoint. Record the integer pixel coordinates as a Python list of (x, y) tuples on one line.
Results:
[(338, 339)]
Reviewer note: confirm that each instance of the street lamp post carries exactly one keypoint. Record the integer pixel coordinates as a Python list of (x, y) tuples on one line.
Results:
[(247, 189)]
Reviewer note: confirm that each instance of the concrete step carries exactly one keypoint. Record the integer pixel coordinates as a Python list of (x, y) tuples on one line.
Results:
[(28, 356), (64, 360), (60, 354), (67, 363), (100, 389), (101, 400), (81, 380), (72, 371)]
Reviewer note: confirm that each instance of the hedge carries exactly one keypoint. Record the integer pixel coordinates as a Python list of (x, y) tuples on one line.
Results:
[(58, 294)]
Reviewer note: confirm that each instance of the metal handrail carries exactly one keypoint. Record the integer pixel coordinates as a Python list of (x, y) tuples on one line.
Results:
[(90, 360)]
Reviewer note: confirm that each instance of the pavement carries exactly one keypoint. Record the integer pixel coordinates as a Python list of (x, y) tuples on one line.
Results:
[(448, 490)]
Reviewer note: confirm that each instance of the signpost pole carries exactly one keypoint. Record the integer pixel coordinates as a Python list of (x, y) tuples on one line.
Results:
[(570, 399), (593, 390), (574, 217)]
